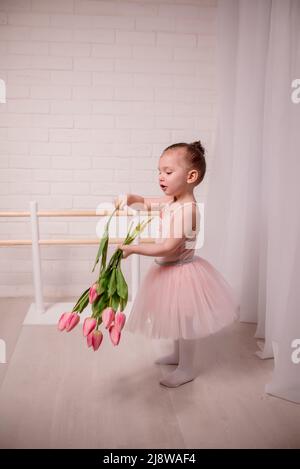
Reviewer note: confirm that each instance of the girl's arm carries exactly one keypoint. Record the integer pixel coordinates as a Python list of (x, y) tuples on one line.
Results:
[(152, 249), (147, 249), (142, 203)]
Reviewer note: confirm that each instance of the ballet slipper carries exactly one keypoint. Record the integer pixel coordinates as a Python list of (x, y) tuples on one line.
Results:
[(185, 371)]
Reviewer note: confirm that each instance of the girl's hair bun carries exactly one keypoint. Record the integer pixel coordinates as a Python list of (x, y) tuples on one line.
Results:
[(198, 147)]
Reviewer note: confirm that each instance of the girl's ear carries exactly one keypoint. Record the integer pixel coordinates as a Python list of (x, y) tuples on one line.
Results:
[(193, 175)]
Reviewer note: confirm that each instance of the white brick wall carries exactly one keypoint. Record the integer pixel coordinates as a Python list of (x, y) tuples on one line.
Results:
[(95, 91)]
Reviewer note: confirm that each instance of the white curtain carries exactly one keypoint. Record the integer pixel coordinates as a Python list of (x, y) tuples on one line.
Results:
[(252, 211)]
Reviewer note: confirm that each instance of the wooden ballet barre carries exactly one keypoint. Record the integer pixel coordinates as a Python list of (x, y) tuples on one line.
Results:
[(81, 213), (23, 242)]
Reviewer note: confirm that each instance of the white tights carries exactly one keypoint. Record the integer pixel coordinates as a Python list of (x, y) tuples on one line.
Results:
[(184, 356)]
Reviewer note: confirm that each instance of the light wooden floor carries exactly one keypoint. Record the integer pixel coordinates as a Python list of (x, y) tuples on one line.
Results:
[(57, 393)]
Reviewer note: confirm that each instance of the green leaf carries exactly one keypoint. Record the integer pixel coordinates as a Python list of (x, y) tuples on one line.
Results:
[(121, 284), (104, 256), (114, 259), (84, 303), (103, 241), (99, 304), (112, 285), (103, 285), (122, 304), (103, 304), (115, 301), (85, 293), (95, 305)]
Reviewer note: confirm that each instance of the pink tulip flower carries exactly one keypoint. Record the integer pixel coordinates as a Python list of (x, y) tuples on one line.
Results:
[(94, 339), (114, 334), (72, 322), (89, 339), (108, 317), (63, 321), (120, 319), (89, 325), (93, 293)]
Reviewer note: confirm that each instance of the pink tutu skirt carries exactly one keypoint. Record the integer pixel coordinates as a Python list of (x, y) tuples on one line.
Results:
[(186, 300)]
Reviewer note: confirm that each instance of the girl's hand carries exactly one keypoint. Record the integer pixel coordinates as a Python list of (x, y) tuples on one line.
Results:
[(127, 250)]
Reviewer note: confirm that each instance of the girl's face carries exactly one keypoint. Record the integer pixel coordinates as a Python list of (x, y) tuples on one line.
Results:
[(173, 172)]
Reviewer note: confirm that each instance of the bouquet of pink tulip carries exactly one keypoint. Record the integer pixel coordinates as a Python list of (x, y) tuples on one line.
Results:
[(106, 295)]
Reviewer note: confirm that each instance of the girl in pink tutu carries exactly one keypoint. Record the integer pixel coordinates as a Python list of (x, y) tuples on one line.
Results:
[(182, 296)]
